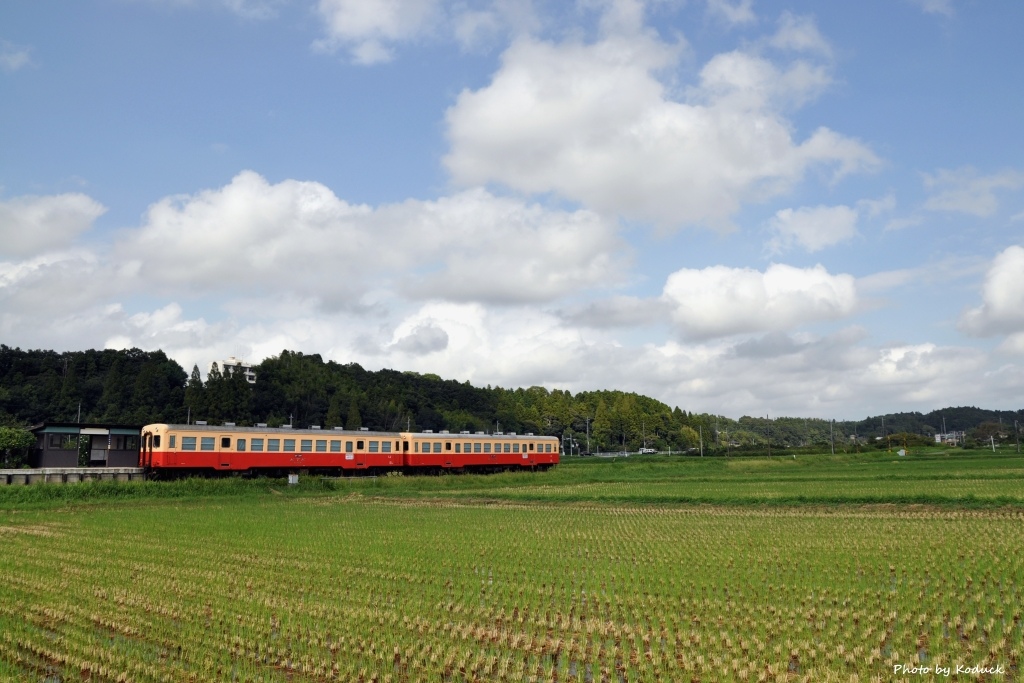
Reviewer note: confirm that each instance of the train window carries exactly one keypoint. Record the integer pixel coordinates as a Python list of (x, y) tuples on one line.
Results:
[(415, 446), (507, 447), (385, 446), (306, 445), (257, 445), (335, 446), (531, 446), (289, 445), (321, 445), (173, 437), (348, 446), (240, 445), (437, 446), (476, 447), (273, 445), (374, 446), (360, 445), (188, 443), (206, 443), (156, 441), (515, 448), (487, 447), (457, 448), (447, 445)]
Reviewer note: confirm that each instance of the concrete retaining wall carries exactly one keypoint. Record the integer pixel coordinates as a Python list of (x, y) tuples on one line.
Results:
[(70, 475)]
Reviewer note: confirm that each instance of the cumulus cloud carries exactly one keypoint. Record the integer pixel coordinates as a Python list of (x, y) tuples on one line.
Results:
[(1002, 296), (720, 301), (369, 28), (963, 190), (733, 13), (593, 123), (812, 228), (31, 225), (423, 339), (13, 57), (799, 34), (371, 31), (254, 237), (619, 311)]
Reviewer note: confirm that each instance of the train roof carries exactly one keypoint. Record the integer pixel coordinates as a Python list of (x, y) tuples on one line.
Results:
[(261, 429), (285, 430)]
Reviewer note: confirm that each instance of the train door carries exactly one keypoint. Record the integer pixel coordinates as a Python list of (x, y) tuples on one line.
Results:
[(224, 451)]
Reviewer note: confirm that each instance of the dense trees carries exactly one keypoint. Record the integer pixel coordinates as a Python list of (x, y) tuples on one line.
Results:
[(294, 388), (132, 387)]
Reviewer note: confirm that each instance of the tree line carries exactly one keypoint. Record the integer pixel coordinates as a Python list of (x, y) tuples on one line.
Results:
[(139, 387)]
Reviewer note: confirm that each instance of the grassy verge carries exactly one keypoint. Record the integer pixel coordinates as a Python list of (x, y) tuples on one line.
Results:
[(938, 478)]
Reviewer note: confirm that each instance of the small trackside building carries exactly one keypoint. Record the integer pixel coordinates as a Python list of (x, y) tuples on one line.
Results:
[(58, 444)]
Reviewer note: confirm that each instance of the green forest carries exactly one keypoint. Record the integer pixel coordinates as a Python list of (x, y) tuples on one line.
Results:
[(141, 387)]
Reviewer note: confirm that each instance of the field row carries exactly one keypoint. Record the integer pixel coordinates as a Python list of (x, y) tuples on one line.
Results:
[(342, 589)]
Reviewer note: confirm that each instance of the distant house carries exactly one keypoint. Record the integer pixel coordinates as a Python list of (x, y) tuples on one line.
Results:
[(232, 364), (951, 438), (58, 444)]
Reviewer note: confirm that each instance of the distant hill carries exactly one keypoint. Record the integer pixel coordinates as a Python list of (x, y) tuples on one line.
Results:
[(139, 387)]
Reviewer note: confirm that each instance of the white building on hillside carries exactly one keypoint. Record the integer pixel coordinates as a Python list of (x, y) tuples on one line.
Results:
[(232, 364)]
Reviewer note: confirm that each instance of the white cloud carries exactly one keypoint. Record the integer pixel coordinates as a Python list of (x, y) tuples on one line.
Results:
[(32, 225), (719, 301), (733, 13), (619, 311), (800, 34), (812, 228), (298, 237), (372, 30), (1002, 295), (876, 207), (254, 9), (248, 9), (13, 57), (593, 123), (369, 28), (943, 7), (964, 191)]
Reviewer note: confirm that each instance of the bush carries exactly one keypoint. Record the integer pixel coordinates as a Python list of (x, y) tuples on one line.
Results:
[(15, 446)]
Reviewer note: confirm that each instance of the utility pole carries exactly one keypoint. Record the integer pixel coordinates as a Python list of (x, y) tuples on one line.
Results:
[(588, 434), (768, 421), (1016, 433), (701, 428), (831, 435)]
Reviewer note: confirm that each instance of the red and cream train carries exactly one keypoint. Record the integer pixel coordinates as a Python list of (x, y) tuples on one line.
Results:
[(195, 448)]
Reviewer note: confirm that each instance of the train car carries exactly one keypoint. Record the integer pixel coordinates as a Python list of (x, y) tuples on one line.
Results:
[(227, 448), (480, 452), (198, 448)]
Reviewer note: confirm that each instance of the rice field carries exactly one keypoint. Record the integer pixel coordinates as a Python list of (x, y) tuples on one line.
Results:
[(366, 586)]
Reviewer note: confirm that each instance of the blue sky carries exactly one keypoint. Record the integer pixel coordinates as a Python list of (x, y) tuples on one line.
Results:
[(735, 206)]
